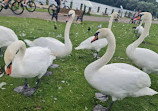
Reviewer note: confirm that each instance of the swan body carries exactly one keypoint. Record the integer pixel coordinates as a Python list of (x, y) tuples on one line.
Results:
[(118, 80), (97, 45), (140, 29), (86, 44), (57, 48), (144, 58), (27, 63), (7, 36)]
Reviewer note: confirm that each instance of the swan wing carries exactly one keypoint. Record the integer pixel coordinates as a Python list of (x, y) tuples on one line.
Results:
[(7, 36), (35, 63), (86, 44), (120, 80), (48, 42), (145, 58)]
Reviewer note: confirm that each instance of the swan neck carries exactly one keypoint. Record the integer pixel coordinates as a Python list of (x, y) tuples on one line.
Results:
[(143, 35), (107, 56), (68, 43), (21, 52), (110, 22)]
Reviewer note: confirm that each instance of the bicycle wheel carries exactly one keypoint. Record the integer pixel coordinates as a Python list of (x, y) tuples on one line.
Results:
[(51, 8), (1, 7), (17, 8), (31, 6)]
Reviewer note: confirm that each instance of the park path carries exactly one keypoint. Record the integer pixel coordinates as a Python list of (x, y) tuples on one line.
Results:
[(61, 18)]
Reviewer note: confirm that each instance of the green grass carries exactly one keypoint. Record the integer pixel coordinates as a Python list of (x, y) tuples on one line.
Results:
[(76, 94)]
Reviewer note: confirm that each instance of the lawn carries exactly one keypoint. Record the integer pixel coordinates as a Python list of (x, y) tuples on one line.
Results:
[(67, 89)]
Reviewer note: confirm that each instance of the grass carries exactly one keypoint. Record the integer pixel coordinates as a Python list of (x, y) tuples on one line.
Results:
[(67, 89)]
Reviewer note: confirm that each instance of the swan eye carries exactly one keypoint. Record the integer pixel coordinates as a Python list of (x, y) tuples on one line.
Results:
[(96, 34), (70, 15), (17, 51), (9, 64)]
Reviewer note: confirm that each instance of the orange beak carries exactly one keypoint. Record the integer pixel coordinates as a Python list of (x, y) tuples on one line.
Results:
[(9, 70), (95, 38), (137, 18)]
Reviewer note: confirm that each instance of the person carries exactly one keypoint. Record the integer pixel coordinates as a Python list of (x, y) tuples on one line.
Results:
[(55, 12), (58, 5), (5, 3), (135, 15)]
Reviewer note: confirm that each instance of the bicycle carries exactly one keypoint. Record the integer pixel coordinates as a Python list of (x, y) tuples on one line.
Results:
[(52, 8), (17, 7)]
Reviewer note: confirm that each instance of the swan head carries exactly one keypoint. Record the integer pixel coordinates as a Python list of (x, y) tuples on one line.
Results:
[(144, 16), (101, 33), (71, 16), (115, 15), (10, 54)]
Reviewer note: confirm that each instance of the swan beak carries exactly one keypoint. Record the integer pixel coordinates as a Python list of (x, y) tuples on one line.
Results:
[(68, 18), (9, 69), (95, 38), (118, 16), (137, 18)]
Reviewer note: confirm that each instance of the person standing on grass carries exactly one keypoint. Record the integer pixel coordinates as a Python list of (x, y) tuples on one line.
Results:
[(55, 12), (58, 5)]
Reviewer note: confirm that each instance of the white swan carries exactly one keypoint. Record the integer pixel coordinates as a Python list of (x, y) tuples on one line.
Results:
[(139, 29), (26, 63), (118, 80), (7, 36), (58, 48), (142, 57), (97, 45)]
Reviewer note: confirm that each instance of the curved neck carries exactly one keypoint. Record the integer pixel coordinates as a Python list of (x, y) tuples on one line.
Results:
[(21, 52), (107, 56), (110, 22), (143, 35), (141, 23), (68, 43)]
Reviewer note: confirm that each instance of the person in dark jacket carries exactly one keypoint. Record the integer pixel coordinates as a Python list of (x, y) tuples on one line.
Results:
[(58, 5)]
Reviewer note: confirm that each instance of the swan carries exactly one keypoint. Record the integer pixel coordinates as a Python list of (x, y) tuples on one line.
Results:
[(7, 36), (22, 62), (118, 80), (144, 58), (58, 48), (97, 45), (139, 29)]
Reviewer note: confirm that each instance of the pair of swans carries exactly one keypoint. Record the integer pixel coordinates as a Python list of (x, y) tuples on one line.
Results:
[(144, 58), (7, 36), (118, 80), (22, 62), (97, 45)]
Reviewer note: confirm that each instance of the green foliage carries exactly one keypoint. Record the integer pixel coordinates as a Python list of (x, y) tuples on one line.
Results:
[(67, 89), (143, 5)]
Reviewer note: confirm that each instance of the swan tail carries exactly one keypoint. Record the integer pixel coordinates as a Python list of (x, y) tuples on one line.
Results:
[(145, 91), (29, 43)]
